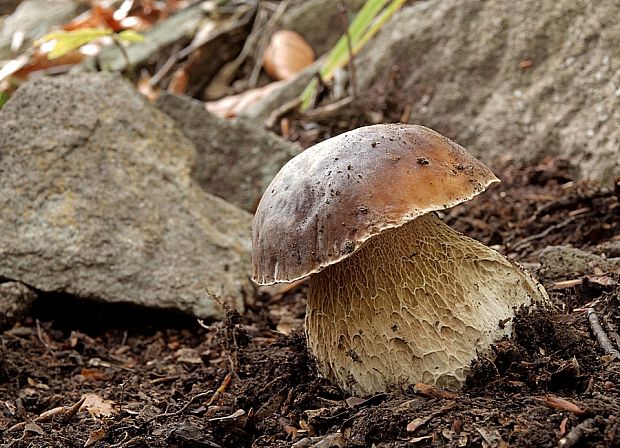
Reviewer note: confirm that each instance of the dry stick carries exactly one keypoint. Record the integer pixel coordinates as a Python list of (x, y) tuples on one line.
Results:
[(600, 334), (611, 329), (264, 41), (180, 411), (342, 9), (280, 111), (578, 433), (519, 244), (166, 67)]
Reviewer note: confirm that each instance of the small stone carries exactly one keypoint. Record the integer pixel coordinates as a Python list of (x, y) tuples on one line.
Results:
[(15, 302)]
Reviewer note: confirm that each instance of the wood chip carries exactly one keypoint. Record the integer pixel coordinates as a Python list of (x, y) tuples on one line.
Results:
[(433, 392), (417, 422), (564, 284), (562, 404), (94, 437)]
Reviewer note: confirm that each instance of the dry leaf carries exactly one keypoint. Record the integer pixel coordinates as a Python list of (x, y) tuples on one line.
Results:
[(145, 88), (92, 374), (419, 439), (33, 427), (231, 106), (563, 405), (97, 406), (416, 423), (97, 17), (95, 437), (433, 392), (37, 385), (178, 82), (287, 54)]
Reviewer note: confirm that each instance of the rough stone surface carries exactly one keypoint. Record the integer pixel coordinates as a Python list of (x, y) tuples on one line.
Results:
[(98, 201), (236, 160), (34, 18), (15, 302), (563, 261), (504, 78)]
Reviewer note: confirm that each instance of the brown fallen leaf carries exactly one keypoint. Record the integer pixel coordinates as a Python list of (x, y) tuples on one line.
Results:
[(65, 412), (562, 404), (178, 82), (94, 437), (97, 17), (97, 406), (433, 392), (233, 105), (92, 374), (287, 54), (563, 425), (417, 422)]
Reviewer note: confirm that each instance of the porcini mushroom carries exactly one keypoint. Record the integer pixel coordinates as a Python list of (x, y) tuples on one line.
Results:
[(395, 295)]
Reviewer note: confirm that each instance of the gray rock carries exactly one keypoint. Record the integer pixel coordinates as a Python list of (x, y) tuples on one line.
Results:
[(236, 159), (15, 302), (563, 261), (503, 81), (97, 201), (34, 18)]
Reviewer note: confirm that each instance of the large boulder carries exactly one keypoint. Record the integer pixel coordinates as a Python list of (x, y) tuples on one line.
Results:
[(505, 79), (97, 201), (236, 160)]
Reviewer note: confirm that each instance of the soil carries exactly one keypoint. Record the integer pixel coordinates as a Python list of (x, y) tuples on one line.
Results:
[(165, 380)]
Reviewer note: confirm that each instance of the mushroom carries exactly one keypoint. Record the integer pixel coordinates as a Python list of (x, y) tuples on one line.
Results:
[(395, 295)]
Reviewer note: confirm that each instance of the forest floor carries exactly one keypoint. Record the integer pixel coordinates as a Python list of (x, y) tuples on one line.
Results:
[(160, 379)]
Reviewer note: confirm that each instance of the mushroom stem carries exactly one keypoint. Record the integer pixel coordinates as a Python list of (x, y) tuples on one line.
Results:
[(414, 304)]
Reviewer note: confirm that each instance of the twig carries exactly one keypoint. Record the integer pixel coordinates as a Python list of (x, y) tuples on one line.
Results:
[(264, 41), (600, 334), (542, 234), (220, 389), (121, 442), (40, 335), (611, 329), (329, 110), (180, 411), (342, 9), (578, 433), (280, 111), (166, 67)]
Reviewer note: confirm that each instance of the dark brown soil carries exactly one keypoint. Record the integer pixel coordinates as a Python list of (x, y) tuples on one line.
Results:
[(242, 382)]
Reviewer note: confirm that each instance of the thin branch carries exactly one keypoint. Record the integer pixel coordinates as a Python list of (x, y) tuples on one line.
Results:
[(180, 411), (600, 334), (342, 9)]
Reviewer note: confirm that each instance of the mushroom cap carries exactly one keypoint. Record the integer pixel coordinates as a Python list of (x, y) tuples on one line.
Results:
[(327, 201)]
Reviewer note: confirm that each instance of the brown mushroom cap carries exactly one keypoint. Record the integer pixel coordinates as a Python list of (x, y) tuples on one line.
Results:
[(327, 201)]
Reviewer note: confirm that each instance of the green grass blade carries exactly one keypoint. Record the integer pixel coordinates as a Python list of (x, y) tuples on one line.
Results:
[(366, 24)]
